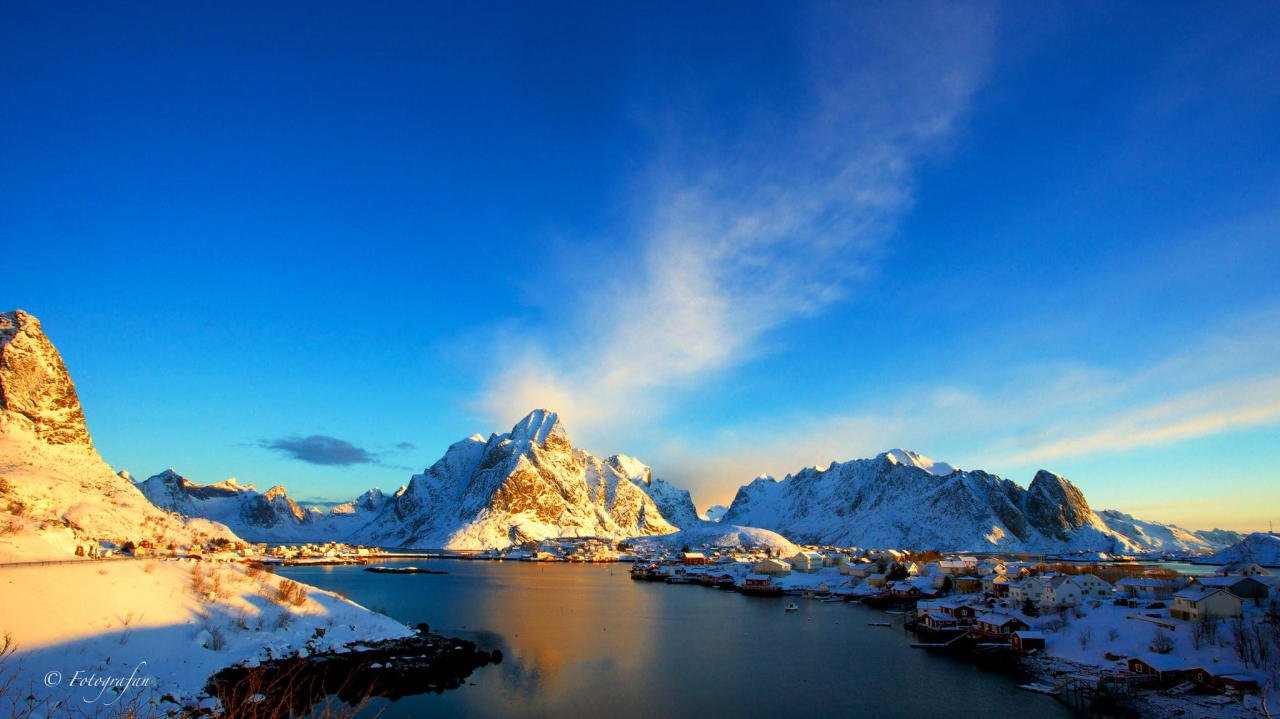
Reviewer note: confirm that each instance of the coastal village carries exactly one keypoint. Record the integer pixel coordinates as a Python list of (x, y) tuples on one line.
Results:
[(1094, 632)]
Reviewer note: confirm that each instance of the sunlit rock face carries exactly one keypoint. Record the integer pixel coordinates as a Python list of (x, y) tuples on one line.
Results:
[(675, 504), (525, 485), (36, 392)]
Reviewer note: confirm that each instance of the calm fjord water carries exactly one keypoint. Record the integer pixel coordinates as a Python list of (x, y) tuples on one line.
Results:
[(585, 640)]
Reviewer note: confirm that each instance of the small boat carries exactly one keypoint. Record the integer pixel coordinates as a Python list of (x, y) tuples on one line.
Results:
[(791, 607), (879, 624)]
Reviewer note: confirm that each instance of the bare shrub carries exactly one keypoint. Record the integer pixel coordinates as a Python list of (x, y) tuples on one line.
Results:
[(1161, 642), (290, 592)]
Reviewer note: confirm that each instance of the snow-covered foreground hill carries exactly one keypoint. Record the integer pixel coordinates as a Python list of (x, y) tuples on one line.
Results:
[(174, 622), (56, 493)]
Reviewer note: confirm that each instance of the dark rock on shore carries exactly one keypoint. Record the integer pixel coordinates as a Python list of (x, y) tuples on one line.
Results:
[(392, 668)]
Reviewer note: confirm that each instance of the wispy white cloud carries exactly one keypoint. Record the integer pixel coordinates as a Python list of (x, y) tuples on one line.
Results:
[(736, 242), (1032, 415)]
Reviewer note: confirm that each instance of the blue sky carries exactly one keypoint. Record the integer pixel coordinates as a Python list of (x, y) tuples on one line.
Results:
[(728, 239)]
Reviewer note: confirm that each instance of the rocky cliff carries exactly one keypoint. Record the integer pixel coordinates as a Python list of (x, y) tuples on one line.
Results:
[(36, 391), (57, 496)]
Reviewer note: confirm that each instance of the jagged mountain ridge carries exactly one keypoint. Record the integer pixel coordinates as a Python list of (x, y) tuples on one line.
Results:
[(902, 499), (269, 516)]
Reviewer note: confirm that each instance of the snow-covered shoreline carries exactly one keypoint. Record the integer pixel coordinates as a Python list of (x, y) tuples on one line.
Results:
[(169, 624)]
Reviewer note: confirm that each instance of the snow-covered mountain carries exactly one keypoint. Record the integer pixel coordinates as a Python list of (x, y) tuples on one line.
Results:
[(1166, 537), (715, 512), (269, 516), (675, 504), (56, 493), (525, 485), (903, 499), (1257, 548)]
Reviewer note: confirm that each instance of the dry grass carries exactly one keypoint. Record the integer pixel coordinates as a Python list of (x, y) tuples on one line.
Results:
[(292, 593)]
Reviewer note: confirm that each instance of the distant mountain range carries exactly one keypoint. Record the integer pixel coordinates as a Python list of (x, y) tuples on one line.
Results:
[(902, 499), (531, 483)]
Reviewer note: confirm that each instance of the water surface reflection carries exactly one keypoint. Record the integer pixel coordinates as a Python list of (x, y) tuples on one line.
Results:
[(586, 640)]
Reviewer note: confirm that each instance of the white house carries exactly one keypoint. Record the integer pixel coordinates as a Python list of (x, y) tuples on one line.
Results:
[(1030, 588), (1060, 591), (1091, 587), (806, 562), (1196, 602), (771, 568)]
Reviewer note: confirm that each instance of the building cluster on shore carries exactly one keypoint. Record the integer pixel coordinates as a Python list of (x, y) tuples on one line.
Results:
[(1093, 629), (224, 551)]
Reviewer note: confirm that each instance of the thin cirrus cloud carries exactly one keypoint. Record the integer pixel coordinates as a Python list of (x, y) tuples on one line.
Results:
[(729, 244)]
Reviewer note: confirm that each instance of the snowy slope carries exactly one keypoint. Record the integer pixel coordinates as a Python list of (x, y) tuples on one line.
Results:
[(902, 499), (716, 534), (1257, 548), (1166, 537), (914, 459), (54, 499), (715, 513), (175, 622)]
